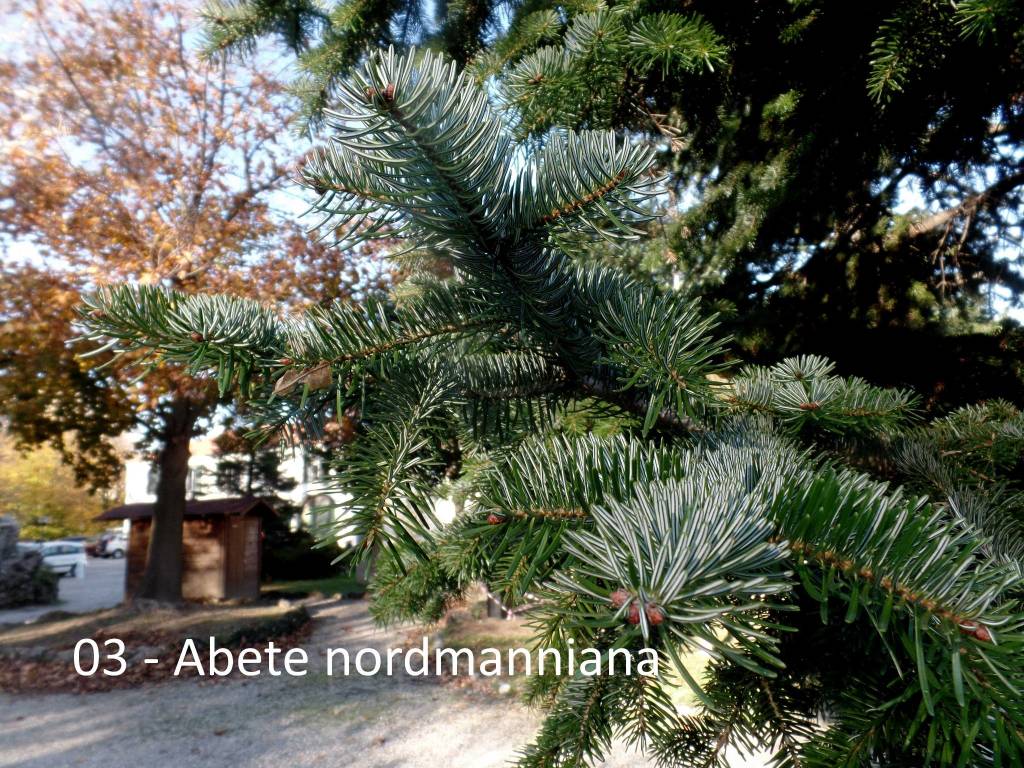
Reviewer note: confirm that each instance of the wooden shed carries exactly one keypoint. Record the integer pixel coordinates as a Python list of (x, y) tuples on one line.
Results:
[(221, 547)]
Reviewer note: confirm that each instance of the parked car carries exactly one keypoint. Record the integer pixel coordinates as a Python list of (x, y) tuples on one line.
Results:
[(113, 545), (65, 557)]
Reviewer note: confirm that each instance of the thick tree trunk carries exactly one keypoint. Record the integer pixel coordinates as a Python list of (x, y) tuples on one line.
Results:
[(162, 578)]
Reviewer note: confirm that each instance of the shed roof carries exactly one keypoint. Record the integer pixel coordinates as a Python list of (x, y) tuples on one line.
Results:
[(237, 505)]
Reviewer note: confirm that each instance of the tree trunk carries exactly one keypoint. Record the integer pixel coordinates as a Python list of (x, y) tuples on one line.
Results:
[(162, 578), (495, 610)]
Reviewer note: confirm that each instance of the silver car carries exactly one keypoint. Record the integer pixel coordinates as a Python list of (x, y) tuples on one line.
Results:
[(65, 557)]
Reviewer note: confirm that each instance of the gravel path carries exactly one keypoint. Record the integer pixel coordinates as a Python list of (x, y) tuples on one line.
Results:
[(377, 722)]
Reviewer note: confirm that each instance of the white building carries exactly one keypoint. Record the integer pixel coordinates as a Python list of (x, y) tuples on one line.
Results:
[(320, 506)]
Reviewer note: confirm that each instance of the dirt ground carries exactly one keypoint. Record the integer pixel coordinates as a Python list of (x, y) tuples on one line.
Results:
[(377, 722), (316, 720)]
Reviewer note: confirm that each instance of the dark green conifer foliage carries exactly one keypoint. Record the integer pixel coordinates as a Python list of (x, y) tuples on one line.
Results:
[(792, 133), (850, 623)]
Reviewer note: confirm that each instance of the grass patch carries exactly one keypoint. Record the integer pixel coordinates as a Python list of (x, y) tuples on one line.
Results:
[(478, 633), (342, 584), (469, 627), (678, 689)]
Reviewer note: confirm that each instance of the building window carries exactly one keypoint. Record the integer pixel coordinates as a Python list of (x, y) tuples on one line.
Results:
[(152, 480), (313, 470), (201, 482), (229, 477)]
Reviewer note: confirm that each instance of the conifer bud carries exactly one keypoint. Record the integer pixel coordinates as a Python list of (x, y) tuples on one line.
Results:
[(655, 615), (196, 336), (495, 519), (633, 617), (977, 631), (619, 598)]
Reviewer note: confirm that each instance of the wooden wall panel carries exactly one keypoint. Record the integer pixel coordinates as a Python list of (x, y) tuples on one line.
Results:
[(202, 576), (220, 557), (242, 572)]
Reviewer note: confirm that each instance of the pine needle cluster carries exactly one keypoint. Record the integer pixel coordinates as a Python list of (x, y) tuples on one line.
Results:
[(848, 622)]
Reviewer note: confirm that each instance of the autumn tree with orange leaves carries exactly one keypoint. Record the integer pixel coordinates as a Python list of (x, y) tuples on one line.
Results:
[(128, 158)]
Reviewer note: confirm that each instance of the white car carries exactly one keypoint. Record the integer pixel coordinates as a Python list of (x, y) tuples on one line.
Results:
[(65, 557), (114, 547)]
